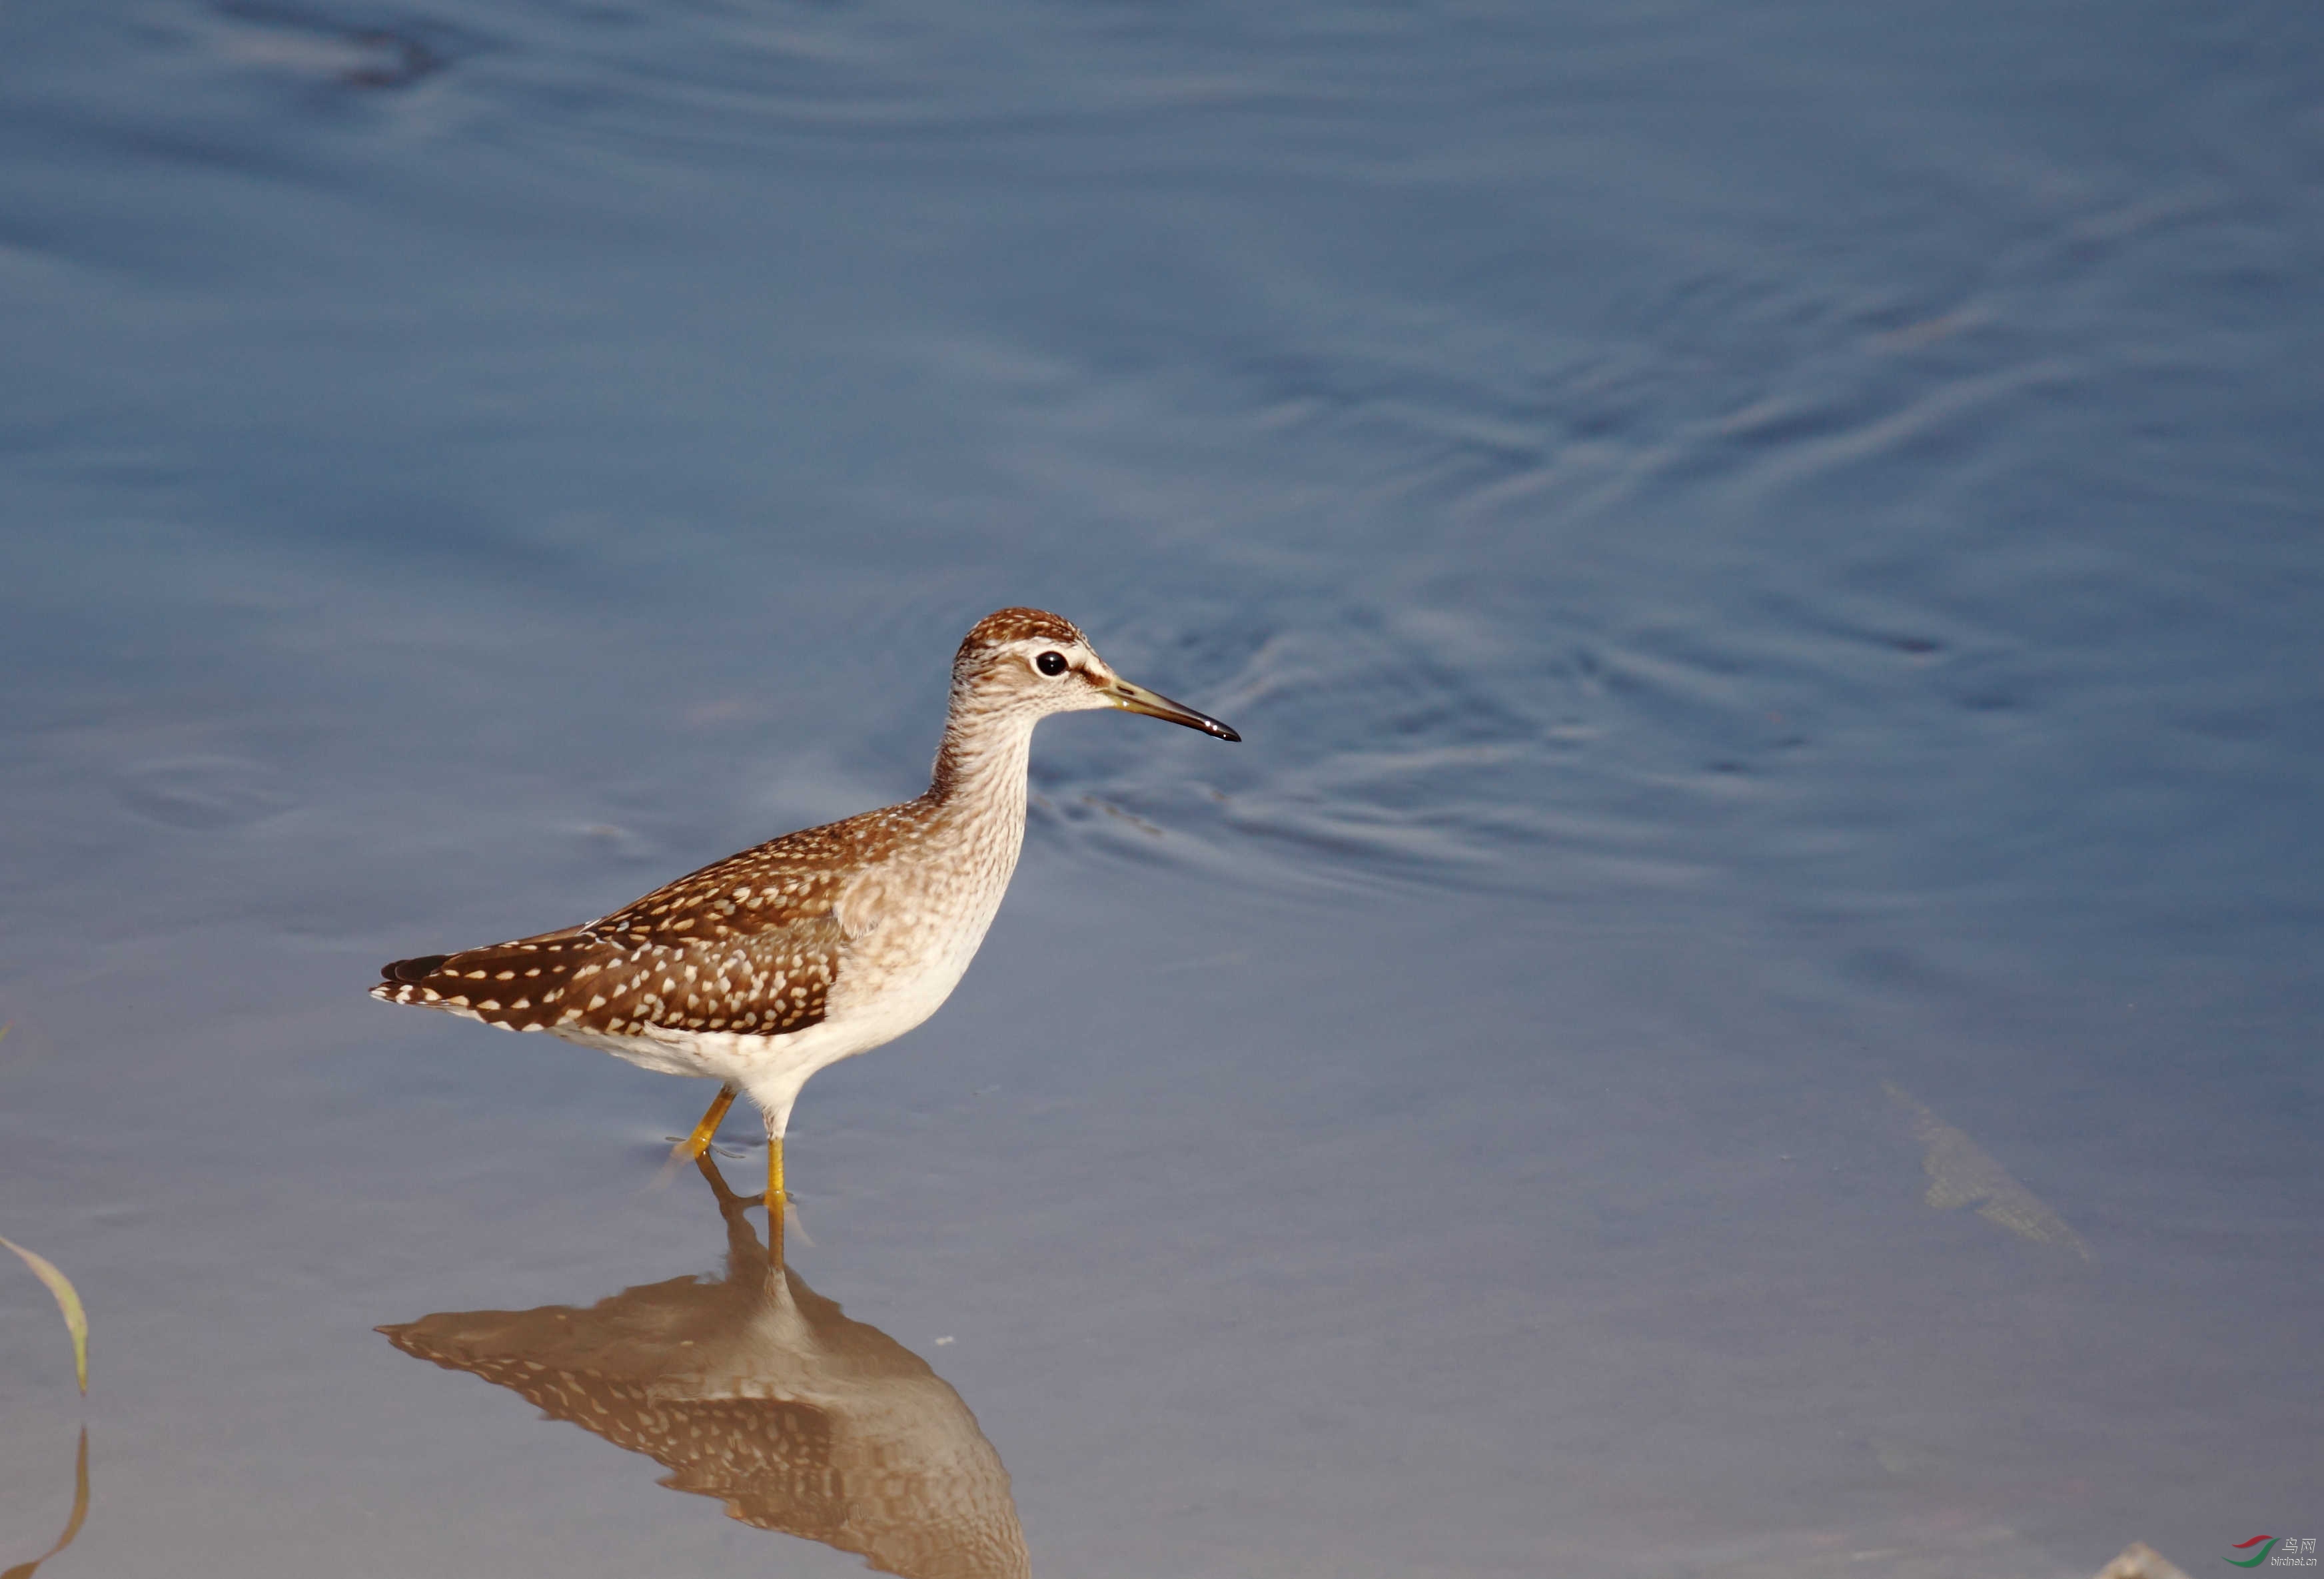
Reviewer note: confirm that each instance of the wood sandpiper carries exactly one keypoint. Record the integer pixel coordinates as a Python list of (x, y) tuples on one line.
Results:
[(764, 968)]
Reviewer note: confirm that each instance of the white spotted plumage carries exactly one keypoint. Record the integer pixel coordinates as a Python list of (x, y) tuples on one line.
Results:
[(764, 968)]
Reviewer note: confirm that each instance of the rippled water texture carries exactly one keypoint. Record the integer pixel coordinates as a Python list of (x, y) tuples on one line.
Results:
[(1747, 1007)]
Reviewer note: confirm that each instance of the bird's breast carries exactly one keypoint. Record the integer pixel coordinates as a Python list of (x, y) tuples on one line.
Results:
[(914, 922)]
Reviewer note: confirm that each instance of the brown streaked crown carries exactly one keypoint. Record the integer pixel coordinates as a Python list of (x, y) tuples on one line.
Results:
[(1020, 625)]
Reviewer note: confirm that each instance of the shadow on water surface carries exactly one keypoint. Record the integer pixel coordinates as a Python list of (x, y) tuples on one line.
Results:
[(756, 1391)]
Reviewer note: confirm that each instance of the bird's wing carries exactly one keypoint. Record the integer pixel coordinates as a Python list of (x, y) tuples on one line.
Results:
[(749, 944)]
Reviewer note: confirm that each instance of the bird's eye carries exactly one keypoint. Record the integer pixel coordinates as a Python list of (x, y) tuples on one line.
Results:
[(1050, 664)]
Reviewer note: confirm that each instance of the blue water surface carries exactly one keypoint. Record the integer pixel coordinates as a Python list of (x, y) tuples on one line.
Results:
[(1747, 1007)]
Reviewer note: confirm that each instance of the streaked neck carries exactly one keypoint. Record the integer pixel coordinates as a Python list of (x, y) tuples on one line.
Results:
[(981, 766)]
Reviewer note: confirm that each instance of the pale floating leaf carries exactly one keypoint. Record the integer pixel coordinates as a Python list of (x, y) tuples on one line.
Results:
[(2141, 1561), (68, 1300)]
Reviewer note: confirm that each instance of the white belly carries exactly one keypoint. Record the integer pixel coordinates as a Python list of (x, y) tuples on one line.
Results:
[(882, 992), (912, 922)]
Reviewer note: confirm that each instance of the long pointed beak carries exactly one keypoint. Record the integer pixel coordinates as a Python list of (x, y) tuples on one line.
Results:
[(1132, 699)]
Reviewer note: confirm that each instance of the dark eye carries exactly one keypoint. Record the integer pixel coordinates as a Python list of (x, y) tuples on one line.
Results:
[(1050, 664)]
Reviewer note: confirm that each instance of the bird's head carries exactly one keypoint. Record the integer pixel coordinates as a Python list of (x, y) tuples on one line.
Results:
[(1032, 663)]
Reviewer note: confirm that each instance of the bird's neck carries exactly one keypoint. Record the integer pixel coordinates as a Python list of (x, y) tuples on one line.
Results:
[(981, 767)]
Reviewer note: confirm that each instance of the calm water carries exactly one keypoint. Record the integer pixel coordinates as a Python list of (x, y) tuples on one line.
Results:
[(1747, 1007)]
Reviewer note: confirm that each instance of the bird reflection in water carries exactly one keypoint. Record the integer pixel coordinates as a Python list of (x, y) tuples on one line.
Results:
[(756, 1391)]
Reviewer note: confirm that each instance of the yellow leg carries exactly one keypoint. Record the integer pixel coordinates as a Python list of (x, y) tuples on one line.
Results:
[(695, 1145), (778, 1203)]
